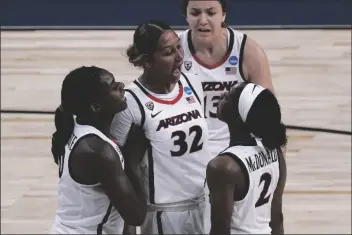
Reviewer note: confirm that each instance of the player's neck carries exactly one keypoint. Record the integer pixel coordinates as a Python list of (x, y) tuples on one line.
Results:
[(155, 87), (217, 46), (239, 135)]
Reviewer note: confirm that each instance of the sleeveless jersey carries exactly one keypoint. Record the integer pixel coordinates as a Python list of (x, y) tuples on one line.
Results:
[(84, 208), (175, 163), (216, 80), (252, 214)]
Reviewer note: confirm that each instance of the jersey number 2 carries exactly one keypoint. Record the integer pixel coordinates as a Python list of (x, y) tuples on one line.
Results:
[(182, 143), (263, 199)]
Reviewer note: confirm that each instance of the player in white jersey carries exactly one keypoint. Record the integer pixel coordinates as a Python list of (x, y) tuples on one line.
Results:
[(247, 180), (222, 57), (94, 193), (168, 107)]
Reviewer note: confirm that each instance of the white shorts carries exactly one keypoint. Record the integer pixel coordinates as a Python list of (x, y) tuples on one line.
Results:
[(59, 228), (173, 220), (207, 210)]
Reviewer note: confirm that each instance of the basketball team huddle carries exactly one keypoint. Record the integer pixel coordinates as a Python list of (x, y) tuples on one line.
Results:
[(194, 145)]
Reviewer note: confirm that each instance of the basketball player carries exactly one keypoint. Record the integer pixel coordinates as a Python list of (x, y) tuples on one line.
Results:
[(222, 57), (168, 107), (247, 180), (94, 192)]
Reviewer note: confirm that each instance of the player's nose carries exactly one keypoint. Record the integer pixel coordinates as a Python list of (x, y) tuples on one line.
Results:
[(203, 19)]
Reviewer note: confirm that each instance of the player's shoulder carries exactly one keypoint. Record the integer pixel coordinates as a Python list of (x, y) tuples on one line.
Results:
[(223, 167), (183, 36), (132, 95), (190, 76), (132, 86), (183, 33), (132, 90), (194, 80), (236, 32), (92, 143)]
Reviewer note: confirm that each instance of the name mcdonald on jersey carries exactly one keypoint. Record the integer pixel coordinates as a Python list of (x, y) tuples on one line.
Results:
[(261, 160)]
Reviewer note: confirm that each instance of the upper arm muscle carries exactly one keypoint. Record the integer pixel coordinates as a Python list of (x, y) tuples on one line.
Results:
[(221, 173), (256, 65), (115, 182), (123, 121), (276, 206)]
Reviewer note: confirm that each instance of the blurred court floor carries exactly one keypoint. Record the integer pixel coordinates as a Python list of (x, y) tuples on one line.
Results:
[(311, 71)]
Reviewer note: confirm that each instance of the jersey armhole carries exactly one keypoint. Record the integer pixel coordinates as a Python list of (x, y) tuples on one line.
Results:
[(240, 66), (70, 166), (190, 85), (244, 170), (139, 105)]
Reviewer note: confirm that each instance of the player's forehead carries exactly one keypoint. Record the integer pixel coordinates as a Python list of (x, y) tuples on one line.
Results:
[(106, 81), (168, 39), (203, 5), (106, 78)]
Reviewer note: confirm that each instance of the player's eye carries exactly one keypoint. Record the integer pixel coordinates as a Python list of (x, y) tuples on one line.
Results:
[(195, 13), (211, 13)]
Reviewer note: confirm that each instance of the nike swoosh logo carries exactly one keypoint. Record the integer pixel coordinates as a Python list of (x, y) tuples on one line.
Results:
[(254, 88), (154, 115)]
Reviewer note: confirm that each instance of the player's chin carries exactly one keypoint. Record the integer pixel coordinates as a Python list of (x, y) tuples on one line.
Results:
[(204, 37), (175, 77), (122, 106)]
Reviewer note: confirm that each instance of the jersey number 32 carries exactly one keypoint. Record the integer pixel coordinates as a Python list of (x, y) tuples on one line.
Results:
[(182, 143)]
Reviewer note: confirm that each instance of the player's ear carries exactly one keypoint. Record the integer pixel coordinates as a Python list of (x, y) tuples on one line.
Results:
[(95, 108), (224, 17), (148, 63)]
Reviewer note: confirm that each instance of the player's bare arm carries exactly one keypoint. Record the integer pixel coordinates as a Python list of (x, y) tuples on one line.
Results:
[(277, 218), (221, 169), (116, 184), (133, 151), (256, 65)]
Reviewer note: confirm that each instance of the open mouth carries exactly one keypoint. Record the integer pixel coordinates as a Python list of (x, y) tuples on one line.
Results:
[(177, 71), (204, 30), (123, 94)]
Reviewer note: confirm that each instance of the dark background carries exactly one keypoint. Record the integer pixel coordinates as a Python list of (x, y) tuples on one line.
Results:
[(129, 13)]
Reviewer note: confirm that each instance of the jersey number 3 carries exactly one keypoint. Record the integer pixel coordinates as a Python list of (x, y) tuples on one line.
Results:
[(181, 141), (263, 198)]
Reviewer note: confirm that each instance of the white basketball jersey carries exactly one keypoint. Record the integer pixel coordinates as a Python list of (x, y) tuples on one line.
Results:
[(175, 163), (81, 208), (216, 80), (252, 214)]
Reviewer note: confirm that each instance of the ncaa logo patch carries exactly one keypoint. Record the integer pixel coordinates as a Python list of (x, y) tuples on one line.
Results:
[(188, 65), (233, 60), (187, 90), (150, 105)]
